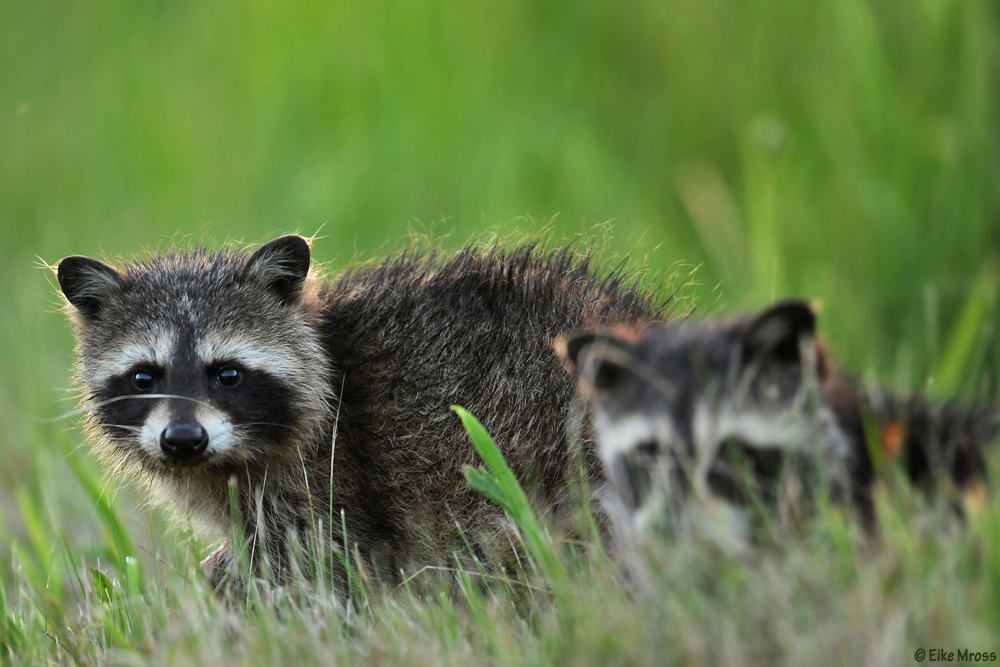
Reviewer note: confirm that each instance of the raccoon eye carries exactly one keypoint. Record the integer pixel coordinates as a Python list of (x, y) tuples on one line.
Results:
[(229, 377), (143, 381), (647, 448)]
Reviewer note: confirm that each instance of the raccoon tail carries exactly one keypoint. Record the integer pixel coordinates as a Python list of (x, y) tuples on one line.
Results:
[(937, 443)]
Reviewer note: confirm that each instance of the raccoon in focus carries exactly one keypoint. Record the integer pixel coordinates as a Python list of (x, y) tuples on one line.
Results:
[(318, 398), (754, 409)]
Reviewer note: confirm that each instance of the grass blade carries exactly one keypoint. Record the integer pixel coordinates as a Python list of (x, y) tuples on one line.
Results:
[(499, 484)]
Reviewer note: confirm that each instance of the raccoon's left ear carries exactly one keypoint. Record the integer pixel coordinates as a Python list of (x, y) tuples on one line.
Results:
[(87, 284), (600, 358), (282, 264), (777, 333)]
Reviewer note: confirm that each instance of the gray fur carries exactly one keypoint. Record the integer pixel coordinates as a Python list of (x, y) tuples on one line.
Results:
[(671, 400), (372, 363)]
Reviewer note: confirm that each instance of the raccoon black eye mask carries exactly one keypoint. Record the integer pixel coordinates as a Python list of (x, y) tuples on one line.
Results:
[(317, 397)]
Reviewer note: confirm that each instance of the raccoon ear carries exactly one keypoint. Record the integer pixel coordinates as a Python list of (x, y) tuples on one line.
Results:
[(569, 347), (600, 358), (777, 332), (283, 265), (87, 283)]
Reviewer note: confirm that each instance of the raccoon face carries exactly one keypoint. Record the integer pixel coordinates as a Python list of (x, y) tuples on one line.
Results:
[(195, 360), (703, 404)]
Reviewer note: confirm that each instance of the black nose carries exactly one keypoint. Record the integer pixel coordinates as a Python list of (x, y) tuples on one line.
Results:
[(183, 442)]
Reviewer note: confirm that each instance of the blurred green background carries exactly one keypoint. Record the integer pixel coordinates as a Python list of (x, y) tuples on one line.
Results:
[(842, 150)]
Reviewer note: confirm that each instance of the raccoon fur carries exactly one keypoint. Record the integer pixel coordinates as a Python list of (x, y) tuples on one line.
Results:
[(328, 402), (754, 408)]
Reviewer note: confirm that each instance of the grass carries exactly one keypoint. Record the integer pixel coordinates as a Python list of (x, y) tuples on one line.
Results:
[(825, 595), (840, 150)]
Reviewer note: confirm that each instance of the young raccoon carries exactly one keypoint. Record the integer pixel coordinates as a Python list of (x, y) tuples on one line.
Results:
[(753, 408), (321, 398)]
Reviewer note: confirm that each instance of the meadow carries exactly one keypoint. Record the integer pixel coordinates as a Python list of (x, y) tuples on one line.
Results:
[(845, 151)]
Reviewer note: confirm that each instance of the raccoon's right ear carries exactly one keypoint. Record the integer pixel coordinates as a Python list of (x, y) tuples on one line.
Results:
[(778, 331), (282, 264), (599, 359), (87, 284)]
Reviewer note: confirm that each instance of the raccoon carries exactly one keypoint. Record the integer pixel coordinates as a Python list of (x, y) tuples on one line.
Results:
[(755, 409), (324, 405)]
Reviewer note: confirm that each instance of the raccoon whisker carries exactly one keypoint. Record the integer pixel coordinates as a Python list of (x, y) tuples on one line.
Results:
[(134, 429), (101, 404), (245, 424)]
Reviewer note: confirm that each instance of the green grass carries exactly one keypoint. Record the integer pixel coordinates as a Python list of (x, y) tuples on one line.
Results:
[(841, 150), (821, 595)]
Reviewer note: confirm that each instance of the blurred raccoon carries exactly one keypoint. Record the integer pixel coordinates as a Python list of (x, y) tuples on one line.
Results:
[(754, 411), (320, 398)]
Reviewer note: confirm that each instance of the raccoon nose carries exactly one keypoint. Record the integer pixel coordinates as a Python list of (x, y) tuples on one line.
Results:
[(183, 442)]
